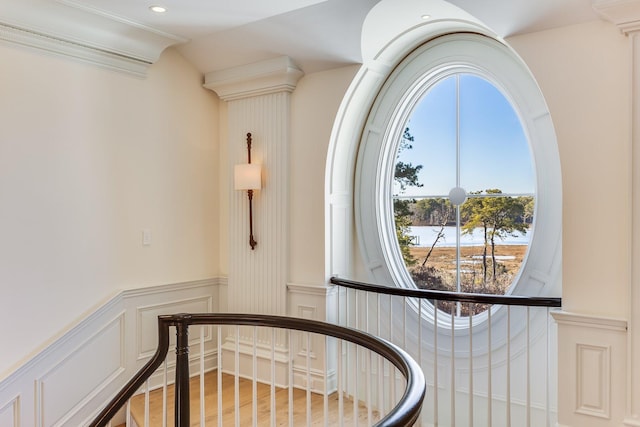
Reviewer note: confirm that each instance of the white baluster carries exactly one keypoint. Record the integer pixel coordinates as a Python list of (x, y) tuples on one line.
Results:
[(202, 409), (254, 385), (435, 363), (237, 378), (273, 377), (528, 380), (308, 362), (165, 381), (219, 376), (340, 385), (548, 369), (489, 371), (146, 403), (453, 367), (368, 387), (290, 378), (471, 307), (325, 367), (508, 366)]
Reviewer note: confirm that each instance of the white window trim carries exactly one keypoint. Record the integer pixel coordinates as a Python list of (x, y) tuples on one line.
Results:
[(403, 88)]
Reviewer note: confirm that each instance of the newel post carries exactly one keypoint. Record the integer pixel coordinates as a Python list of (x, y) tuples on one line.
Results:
[(182, 415)]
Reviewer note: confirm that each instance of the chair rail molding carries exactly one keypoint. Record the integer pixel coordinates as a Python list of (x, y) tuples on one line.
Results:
[(77, 31)]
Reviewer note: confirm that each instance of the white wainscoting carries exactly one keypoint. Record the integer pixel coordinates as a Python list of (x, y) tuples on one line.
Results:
[(10, 413), (311, 302), (68, 382), (591, 370), (303, 301)]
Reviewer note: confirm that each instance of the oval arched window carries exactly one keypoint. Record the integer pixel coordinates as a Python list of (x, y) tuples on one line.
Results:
[(463, 188), (457, 174)]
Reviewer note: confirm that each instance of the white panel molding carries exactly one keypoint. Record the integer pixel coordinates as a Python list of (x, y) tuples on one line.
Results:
[(10, 413), (80, 369), (53, 384), (210, 363), (592, 369), (317, 376), (63, 338), (147, 321), (593, 388), (263, 354), (312, 302), (316, 379)]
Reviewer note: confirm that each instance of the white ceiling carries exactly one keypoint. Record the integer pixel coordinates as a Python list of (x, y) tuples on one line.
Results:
[(316, 34)]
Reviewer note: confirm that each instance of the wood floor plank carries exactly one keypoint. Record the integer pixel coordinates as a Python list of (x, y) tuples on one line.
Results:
[(245, 405)]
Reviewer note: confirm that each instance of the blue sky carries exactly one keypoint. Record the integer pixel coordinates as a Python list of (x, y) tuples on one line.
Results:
[(494, 151)]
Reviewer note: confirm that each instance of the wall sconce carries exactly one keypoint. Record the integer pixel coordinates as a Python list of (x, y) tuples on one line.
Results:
[(248, 177)]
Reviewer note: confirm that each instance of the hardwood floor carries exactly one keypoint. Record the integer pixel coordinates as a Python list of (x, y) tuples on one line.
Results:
[(245, 412)]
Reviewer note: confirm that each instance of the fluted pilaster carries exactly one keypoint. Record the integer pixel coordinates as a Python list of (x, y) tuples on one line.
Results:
[(258, 97)]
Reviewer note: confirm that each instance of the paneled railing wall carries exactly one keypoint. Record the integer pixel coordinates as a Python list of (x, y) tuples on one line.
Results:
[(494, 365)]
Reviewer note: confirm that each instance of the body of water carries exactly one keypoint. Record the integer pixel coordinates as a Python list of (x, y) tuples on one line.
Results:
[(425, 236)]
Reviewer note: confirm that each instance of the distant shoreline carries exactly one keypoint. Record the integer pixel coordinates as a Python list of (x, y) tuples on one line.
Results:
[(444, 258)]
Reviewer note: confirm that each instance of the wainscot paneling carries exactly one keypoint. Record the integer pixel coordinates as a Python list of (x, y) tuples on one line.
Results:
[(9, 413), (69, 380), (591, 370), (101, 358), (311, 302)]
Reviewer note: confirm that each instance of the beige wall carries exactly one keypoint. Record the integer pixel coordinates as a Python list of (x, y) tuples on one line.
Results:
[(88, 159), (314, 106), (584, 74)]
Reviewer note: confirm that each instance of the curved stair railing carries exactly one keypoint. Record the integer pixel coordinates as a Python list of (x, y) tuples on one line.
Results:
[(405, 412), (487, 359)]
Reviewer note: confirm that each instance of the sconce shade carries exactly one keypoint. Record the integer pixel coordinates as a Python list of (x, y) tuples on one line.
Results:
[(247, 176)]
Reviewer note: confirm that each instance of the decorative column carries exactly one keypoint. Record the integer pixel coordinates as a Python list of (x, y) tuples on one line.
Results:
[(625, 14), (633, 377), (258, 97)]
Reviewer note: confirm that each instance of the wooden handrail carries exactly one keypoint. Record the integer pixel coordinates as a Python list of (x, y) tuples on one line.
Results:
[(404, 414), (139, 378), (450, 296)]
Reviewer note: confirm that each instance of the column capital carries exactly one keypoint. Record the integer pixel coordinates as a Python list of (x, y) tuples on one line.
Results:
[(260, 78), (625, 14)]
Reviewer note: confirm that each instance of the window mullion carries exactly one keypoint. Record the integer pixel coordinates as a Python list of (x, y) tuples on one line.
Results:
[(458, 225)]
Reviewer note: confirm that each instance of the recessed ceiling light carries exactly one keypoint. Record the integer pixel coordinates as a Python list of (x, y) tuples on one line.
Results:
[(425, 17), (158, 9)]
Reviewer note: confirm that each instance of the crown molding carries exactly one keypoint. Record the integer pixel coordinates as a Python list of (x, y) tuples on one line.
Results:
[(625, 14), (63, 28), (260, 78), (65, 48)]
